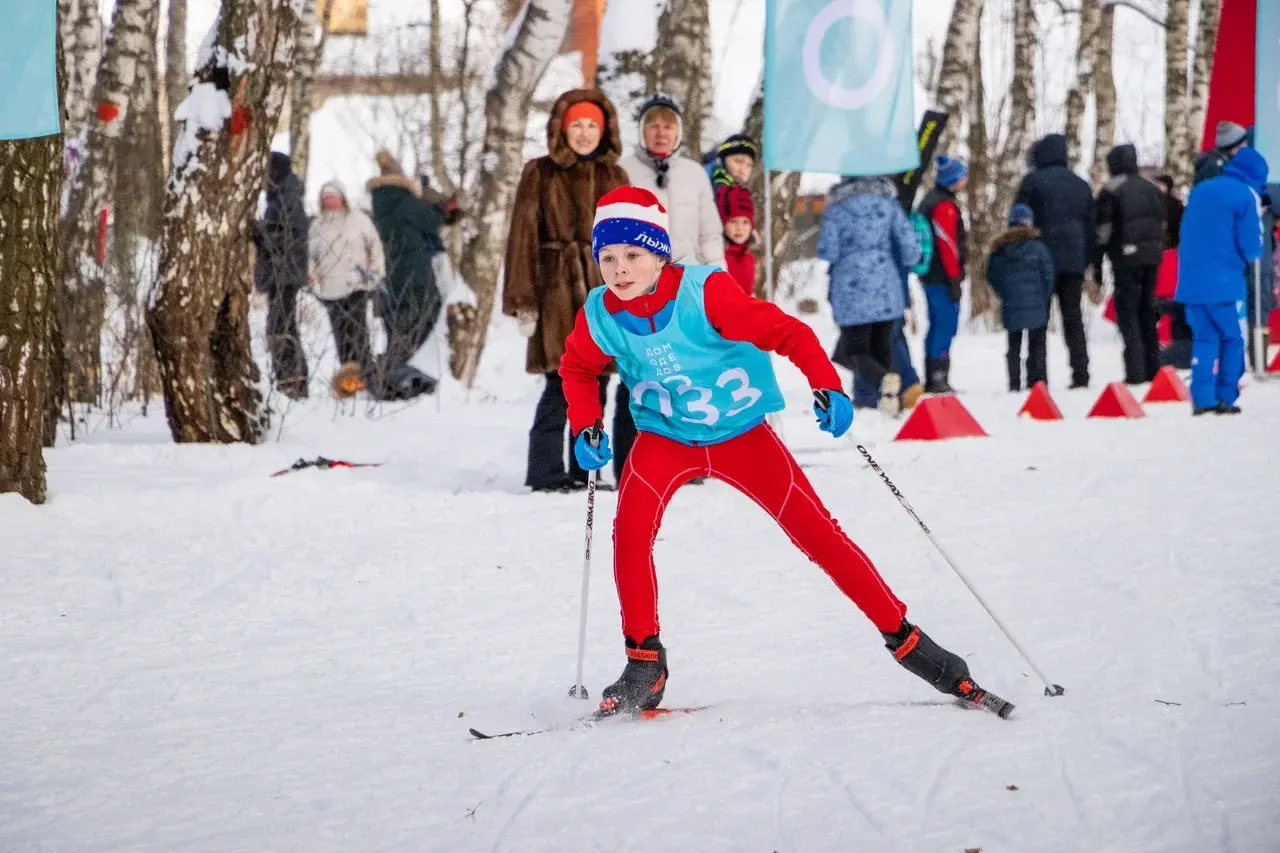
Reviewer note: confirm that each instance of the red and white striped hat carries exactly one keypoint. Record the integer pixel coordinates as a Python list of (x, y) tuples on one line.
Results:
[(634, 216)]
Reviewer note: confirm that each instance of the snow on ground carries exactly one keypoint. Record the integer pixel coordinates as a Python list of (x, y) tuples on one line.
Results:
[(200, 657)]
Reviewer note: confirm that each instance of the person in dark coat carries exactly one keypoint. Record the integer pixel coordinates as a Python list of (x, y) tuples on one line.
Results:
[(410, 302), (1228, 139), (1020, 271), (1178, 352), (1131, 233), (280, 271), (1062, 204)]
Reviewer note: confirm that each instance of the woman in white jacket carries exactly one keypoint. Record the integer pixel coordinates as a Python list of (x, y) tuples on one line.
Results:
[(345, 265), (681, 184)]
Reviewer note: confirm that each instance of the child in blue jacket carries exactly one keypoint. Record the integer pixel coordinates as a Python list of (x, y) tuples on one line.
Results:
[(1020, 271), (1220, 236)]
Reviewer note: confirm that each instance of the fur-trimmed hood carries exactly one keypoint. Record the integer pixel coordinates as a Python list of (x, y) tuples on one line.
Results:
[(610, 142), (403, 181), (1013, 235)]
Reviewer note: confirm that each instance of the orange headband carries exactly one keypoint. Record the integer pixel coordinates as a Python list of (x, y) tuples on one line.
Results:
[(584, 109)]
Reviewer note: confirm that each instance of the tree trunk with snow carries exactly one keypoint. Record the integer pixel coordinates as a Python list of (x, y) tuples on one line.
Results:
[(980, 196), (520, 67), (176, 76), (200, 306), (956, 75), (1021, 134), (82, 262), (1086, 64), (784, 188), (1104, 98), (685, 70), (1177, 106), (312, 35), (81, 30), (1206, 42), (30, 193), (436, 123)]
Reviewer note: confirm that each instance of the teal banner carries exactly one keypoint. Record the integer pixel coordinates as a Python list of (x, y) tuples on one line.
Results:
[(29, 70)]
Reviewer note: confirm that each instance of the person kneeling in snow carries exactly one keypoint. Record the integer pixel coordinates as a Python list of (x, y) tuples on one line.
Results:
[(692, 347), (1221, 235)]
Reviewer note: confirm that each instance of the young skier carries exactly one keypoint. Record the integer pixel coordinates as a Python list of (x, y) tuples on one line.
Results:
[(692, 347)]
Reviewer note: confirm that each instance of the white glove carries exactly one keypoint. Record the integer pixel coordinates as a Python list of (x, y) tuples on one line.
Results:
[(528, 321)]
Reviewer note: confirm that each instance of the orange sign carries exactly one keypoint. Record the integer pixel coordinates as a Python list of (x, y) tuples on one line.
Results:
[(584, 36), (347, 18)]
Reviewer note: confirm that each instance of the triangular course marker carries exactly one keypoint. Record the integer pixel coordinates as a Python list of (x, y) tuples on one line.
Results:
[(1116, 401), (936, 418), (1039, 405), (1167, 387)]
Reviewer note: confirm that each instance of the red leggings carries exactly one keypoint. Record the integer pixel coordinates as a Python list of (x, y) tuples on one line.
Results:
[(757, 464)]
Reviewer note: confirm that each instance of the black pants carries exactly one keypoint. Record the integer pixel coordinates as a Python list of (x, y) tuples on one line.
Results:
[(348, 319), (1037, 359), (288, 361), (867, 349), (546, 466), (1068, 287), (1136, 318)]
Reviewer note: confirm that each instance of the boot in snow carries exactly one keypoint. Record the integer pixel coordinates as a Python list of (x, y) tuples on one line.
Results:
[(642, 682), (920, 655), (936, 376)]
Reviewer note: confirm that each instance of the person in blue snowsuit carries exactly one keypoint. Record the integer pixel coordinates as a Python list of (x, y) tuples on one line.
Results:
[(1221, 235)]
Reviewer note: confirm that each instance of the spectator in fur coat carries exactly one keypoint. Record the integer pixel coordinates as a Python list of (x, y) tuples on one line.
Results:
[(549, 270)]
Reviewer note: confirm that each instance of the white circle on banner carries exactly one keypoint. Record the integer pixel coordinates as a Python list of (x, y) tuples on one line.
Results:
[(818, 83)]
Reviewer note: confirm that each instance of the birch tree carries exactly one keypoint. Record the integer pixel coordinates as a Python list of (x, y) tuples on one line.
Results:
[(81, 265), (176, 76), (1104, 97), (1021, 132), (979, 193), (31, 178), (80, 27), (1202, 68), (685, 68), (521, 65), (1083, 86), (784, 188), (955, 77), (199, 309), (312, 35), (1177, 104)]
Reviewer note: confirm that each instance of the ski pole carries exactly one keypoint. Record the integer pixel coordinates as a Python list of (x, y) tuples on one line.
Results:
[(578, 690), (1050, 689)]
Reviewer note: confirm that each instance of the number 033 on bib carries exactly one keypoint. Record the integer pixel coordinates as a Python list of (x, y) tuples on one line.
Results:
[(687, 382)]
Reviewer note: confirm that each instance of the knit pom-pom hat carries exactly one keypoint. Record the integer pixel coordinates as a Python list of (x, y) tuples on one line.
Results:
[(950, 171), (634, 216)]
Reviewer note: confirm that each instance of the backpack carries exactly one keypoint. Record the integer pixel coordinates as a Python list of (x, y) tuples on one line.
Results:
[(924, 233)]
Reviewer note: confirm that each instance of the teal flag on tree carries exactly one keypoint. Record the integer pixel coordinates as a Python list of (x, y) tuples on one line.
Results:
[(29, 70), (838, 87)]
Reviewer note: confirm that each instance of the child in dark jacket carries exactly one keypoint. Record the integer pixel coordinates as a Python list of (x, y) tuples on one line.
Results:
[(738, 215), (1020, 270)]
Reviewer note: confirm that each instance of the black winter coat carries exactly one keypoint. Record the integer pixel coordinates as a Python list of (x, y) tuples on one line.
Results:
[(1132, 220), (410, 230), (1062, 204), (281, 234), (1020, 271)]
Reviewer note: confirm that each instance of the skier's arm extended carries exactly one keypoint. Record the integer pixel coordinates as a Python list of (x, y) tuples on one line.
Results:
[(580, 369), (739, 317)]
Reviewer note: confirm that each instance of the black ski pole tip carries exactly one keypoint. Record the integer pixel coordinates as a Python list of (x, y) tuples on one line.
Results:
[(577, 691), (1057, 690)]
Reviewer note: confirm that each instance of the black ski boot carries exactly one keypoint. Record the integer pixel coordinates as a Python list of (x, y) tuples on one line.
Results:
[(642, 682), (920, 655)]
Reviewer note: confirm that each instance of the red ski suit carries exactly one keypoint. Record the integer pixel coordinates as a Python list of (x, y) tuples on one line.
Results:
[(755, 463)]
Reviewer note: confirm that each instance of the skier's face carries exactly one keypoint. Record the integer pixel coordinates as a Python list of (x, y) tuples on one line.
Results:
[(583, 136), (660, 135), (628, 270), (740, 166)]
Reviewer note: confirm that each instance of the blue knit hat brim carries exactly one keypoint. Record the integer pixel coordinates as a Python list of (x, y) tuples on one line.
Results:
[(632, 232), (951, 172)]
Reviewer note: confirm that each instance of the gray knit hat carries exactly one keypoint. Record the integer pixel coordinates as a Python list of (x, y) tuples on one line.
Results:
[(1229, 135)]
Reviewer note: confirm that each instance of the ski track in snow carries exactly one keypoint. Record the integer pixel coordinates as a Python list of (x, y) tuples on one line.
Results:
[(203, 658)]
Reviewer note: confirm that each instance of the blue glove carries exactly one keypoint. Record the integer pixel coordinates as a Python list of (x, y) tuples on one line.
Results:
[(834, 410), (592, 448)]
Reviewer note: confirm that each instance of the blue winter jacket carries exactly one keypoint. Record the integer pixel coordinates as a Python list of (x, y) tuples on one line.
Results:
[(1020, 271), (1221, 232), (868, 241)]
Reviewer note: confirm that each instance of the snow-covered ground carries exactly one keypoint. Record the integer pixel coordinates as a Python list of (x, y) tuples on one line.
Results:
[(199, 657)]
